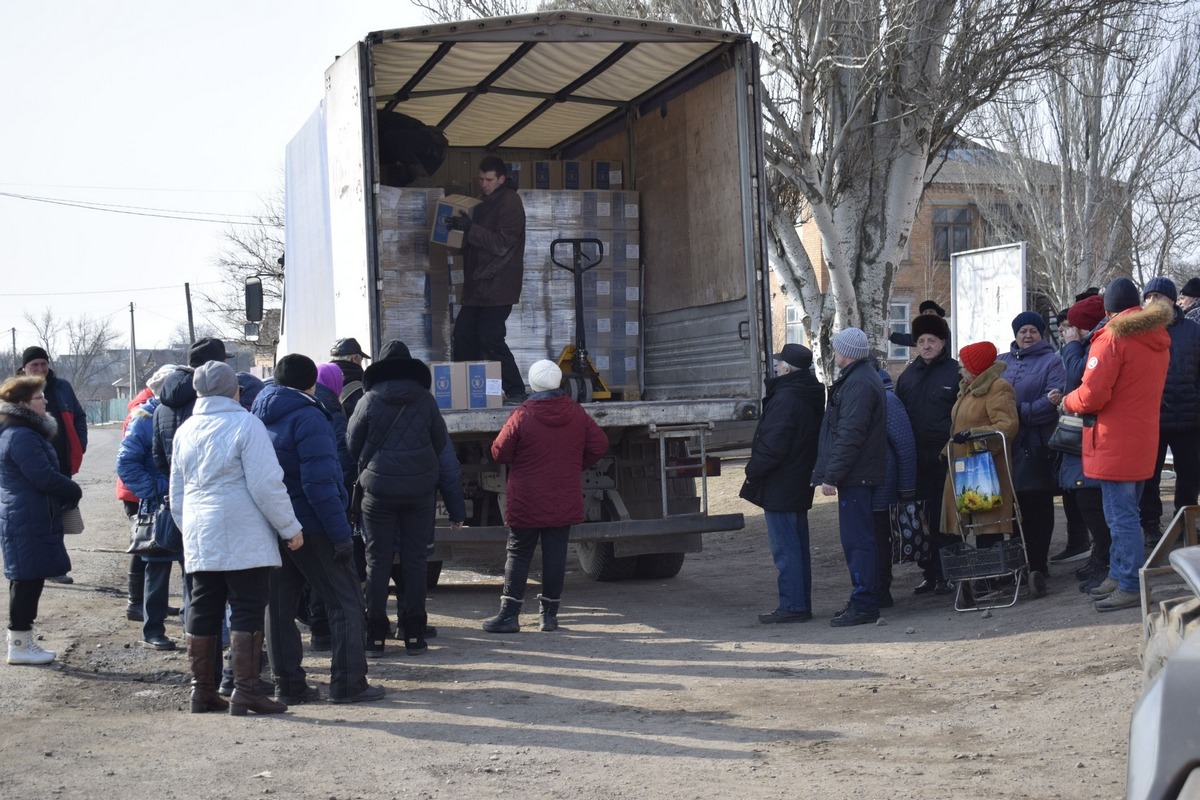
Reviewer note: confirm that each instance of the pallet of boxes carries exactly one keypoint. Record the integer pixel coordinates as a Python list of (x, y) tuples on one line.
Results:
[(421, 269)]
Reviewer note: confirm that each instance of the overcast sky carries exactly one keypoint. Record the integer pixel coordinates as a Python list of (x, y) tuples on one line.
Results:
[(179, 107)]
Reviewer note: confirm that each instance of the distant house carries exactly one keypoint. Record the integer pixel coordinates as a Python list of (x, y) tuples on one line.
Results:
[(963, 208)]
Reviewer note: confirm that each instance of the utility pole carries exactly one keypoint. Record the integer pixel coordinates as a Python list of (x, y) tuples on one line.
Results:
[(187, 293), (133, 370)]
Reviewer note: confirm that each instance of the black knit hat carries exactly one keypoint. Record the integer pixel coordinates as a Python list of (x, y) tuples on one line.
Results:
[(1120, 295), (1191, 288), (296, 371), (33, 354)]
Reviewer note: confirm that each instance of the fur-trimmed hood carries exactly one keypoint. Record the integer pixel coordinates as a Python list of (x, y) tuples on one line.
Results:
[(397, 369), (983, 381), (1150, 317), (15, 415)]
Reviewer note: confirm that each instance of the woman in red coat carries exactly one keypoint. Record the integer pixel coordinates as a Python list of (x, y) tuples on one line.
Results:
[(547, 443)]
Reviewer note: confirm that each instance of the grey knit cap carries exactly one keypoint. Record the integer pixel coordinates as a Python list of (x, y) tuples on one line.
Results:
[(215, 379), (851, 343)]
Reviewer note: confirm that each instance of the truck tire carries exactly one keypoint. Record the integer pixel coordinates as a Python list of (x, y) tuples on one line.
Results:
[(600, 564), (433, 573), (1168, 627), (659, 565)]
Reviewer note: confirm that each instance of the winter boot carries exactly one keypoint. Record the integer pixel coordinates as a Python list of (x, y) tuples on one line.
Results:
[(414, 635), (507, 620), (204, 653), (23, 649), (245, 649), (549, 613), (137, 586)]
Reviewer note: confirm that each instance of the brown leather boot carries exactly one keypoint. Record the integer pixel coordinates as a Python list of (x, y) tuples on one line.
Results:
[(203, 652), (246, 650)]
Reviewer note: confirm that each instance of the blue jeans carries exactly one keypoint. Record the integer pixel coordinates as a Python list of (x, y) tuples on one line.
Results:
[(1121, 512), (856, 524), (156, 595), (787, 532)]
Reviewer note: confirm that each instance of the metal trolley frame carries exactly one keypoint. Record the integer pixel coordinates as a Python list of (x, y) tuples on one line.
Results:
[(991, 577)]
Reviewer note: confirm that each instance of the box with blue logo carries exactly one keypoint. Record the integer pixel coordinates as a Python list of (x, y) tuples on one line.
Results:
[(449, 384), (447, 207), (483, 384)]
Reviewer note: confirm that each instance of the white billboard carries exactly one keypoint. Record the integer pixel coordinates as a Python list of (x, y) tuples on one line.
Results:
[(988, 290)]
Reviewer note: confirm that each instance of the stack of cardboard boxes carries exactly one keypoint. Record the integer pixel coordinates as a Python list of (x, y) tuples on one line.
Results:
[(422, 277)]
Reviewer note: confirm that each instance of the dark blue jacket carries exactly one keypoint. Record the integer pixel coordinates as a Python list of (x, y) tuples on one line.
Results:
[(853, 445), (928, 390), (779, 472), (177, 396), (303, 440), (135, 456), (33, 493), (1181, 393), (1032, 372), (901, 473)]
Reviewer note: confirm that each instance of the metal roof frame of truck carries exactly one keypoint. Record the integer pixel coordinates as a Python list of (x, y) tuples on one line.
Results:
[(480, 81)]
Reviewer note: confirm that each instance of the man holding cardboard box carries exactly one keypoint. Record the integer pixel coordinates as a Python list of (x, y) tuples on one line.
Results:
[(493, 268)]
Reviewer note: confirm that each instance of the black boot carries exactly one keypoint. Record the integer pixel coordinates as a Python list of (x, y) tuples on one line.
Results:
[(414, 634), (137, 589), (245, 649), (507, 620), (204, 652), (549, 613)]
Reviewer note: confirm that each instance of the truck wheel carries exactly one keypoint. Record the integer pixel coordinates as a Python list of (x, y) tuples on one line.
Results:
[(659, 565), (1168, 627), (433, 572), (600, 564)]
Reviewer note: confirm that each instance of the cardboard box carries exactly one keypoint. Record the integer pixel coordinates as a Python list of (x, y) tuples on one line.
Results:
[(520, 174), (484, 389), (447, 207), (606, 175), (547, 175), (577, 174), (449, 384)]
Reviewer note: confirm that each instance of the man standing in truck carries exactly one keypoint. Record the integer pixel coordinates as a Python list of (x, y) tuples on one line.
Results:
[(493, 256)]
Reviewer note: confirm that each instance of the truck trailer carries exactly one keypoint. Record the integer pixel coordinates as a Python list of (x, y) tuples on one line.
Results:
[(645, 136)]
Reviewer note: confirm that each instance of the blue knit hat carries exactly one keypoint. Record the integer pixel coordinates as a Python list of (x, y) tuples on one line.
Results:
[(1164, 286), (1120, 295), (1028, 318)]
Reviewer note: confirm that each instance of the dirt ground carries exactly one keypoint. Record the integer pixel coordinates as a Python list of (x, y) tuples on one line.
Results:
[(664, 689)]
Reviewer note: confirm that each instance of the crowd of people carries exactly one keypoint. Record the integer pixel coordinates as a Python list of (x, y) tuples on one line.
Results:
[(262, 484), (1128, 365)]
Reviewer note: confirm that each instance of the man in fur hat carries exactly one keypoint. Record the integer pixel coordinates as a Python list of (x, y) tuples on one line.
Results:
[(1122, 385), (928, 308)]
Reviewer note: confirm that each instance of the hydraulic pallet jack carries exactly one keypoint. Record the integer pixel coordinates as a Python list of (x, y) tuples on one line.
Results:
[(580, 379)]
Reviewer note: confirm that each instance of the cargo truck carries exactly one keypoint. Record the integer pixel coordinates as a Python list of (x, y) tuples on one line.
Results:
[(657, 129)]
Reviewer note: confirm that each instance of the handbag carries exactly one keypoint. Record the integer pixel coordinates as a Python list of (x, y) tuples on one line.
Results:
[(167, 535), (356, 498), (1068, 433), (976, 483), (911, 537), (72, 521), (141, 532)]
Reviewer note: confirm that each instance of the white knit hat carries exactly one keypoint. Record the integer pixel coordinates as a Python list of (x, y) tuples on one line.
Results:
[(851, 343), (544, 375), (154, 382)]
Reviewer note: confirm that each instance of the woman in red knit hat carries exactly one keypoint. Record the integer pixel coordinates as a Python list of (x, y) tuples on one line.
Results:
[(986, 402)]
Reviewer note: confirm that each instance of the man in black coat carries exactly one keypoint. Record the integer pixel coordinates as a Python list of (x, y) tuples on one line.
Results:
[(779, 475), (851, 461), (1179, 422), (928, 388), (348, 355)]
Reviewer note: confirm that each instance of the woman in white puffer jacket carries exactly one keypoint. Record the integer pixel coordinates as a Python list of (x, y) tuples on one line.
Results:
[(229, 500)]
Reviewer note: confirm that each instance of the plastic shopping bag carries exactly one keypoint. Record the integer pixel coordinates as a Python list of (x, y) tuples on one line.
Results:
[(976, 483)]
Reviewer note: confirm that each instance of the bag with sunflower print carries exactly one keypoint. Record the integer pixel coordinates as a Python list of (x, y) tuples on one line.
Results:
[(976, 483)]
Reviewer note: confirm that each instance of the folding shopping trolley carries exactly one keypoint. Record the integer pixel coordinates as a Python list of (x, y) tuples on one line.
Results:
[(987, 577)]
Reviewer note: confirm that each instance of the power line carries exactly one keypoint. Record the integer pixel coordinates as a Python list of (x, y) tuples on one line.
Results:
[(138, 211), (133, 188), (107, 291)]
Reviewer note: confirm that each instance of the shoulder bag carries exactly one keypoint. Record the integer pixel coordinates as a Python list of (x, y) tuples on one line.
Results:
[(356, 491), (142, 541), (1068, 433), (911, 538)]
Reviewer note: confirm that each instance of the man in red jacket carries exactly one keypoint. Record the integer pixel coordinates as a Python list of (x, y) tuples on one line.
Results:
[(1122, 385), (547, 442)]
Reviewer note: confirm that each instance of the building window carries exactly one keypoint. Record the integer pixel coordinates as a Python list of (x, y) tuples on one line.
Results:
[(898, 323), (793, 325), (951, 232)]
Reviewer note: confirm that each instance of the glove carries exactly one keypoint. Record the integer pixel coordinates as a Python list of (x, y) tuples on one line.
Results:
[(461, 222), (71, 498), (911, 494), (343, 552), (960, 437)]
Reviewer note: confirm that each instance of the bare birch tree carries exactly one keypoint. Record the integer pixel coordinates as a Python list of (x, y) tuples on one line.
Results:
[(89, 345), (1096, 182)]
